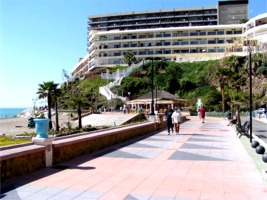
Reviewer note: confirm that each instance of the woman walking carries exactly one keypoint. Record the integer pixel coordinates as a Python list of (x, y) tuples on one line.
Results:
[(176, 119)]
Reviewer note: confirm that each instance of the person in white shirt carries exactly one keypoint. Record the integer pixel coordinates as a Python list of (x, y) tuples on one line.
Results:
[(176, 119)]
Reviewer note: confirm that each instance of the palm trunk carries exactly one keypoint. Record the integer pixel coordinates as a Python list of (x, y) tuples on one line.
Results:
[(80, 116), (57, 124), (223, 98), (49, 109)]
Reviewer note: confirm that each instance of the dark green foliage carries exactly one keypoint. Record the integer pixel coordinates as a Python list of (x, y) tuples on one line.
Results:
[(215, 82)]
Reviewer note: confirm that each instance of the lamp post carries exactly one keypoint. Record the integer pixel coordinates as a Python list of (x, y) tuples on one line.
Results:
[(156, 105), (250, 44), (152, 110), (250, 98)]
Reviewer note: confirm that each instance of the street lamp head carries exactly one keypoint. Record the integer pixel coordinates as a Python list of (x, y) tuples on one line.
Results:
[(162, 70), (143, 71)]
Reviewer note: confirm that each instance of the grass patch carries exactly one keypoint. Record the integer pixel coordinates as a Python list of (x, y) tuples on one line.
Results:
[(9, 140), (256, 158)]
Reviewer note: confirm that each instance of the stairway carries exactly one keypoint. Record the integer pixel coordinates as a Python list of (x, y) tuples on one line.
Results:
[(117, 77)]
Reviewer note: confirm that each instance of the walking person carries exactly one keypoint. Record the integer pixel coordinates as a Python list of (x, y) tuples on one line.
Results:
[(202, 112), (168, 114), (176, 119)]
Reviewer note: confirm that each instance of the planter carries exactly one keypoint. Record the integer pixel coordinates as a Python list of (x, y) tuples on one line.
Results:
[(41, 127)]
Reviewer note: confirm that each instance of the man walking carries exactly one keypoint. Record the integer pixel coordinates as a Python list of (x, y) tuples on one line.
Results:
[(168, 114)]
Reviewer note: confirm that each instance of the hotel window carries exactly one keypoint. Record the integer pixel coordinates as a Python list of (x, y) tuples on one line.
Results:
[(220, 41), (211, 42), (117, 54), (202, 33), (176, 34), (238, 32), (142, 36), (167, 52), (142, 52), (230, 41), (229, 32), (167, 43), (212, 50), (220, 33), (184, 34), (203, 42), (184, 43), (193, 42), (211, 33), (194, 34), (166, 35), (117, 46), (176, 43), (133, 45), (117, 37), (184, 51)]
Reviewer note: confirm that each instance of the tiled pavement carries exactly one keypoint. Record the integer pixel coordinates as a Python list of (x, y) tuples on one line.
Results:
[(206, 161)]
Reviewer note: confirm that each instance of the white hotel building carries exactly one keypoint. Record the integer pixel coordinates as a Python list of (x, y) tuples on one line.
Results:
[(180, 35)]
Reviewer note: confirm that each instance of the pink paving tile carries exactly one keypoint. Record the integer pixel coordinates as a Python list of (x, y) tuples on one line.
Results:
[(238, 197), (208, 196), (212, 187), (124, 188), (168, 188), (234, 188), (188, 194), (165, 155)]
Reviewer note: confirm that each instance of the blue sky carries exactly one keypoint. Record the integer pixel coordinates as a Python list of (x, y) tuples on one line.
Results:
[(39, 38)]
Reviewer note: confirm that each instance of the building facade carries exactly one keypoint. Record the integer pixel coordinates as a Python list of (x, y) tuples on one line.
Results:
[(178, 35)]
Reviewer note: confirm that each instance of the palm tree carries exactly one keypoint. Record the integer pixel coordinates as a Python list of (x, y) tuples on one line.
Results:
[(46, 90), (220, 77), (56, 94), (129, 58), (78, 103)]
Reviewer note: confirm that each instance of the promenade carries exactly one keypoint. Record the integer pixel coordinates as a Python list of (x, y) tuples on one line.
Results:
[(206, 161)]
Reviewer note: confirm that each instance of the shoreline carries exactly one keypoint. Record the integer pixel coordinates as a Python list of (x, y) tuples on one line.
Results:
[(18, 125)]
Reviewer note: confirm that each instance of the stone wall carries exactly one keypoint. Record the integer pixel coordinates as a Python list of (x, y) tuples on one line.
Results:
[(22, 160), (64, 150)]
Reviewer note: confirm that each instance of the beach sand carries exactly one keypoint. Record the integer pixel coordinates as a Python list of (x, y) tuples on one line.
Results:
[(17, 125)]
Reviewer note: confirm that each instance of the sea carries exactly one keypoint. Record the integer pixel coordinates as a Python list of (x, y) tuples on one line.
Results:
[(10, 112)]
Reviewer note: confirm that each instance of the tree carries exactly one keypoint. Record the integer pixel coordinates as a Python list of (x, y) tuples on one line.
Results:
[(220, 77), (46, 90), (129, 58), (78, 103), (56, 94)]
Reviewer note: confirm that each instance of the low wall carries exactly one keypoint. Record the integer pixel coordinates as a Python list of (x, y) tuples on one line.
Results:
[(23, 159), (66, 149)]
